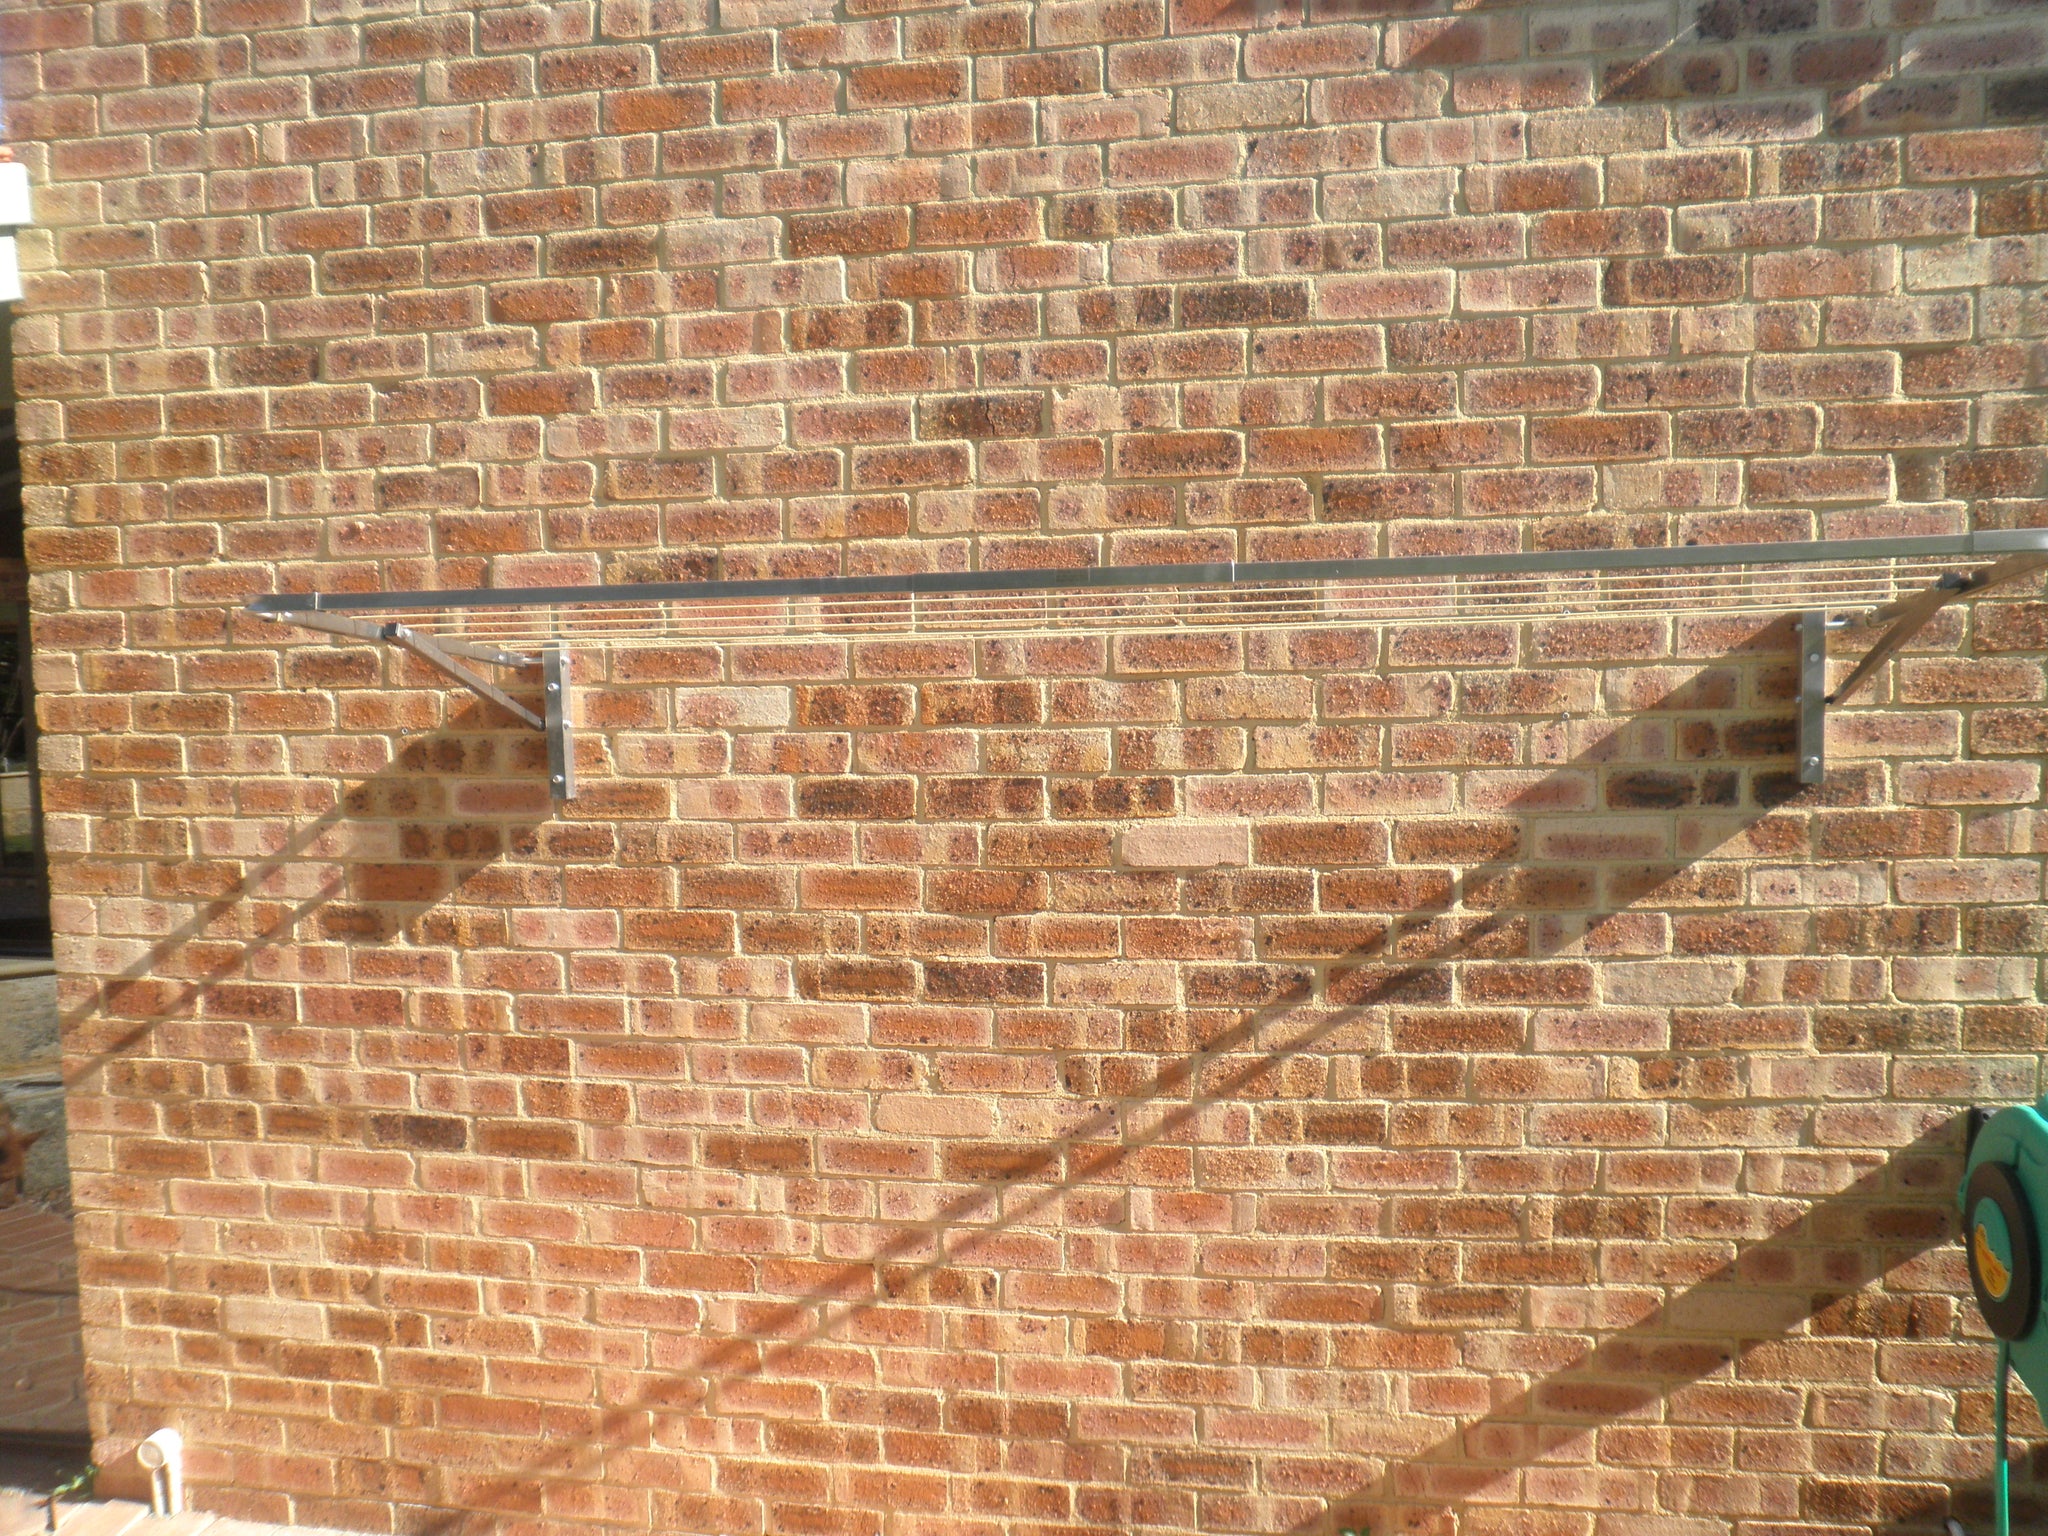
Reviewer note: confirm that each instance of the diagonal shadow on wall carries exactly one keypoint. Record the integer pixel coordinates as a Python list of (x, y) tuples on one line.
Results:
[(1729, 1346), (1479, 918), (386, 848), (371, 867)]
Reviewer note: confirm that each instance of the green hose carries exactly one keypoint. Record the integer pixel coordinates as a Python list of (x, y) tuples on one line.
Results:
[(2002, 1486)]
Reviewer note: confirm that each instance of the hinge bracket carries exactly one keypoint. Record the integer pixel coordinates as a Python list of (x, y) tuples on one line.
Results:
[(554, 674), (1903, 620), (1812, 745), (441, 654)]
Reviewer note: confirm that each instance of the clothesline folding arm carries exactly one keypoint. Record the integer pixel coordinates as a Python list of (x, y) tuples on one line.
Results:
[(442, 653), (1894, 584)]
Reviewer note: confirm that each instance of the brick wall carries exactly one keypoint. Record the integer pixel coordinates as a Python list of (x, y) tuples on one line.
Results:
[(1452, 1080)]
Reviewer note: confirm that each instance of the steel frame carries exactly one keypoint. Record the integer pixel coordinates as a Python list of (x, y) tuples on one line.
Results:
[(1220, 573), (2014, 553)]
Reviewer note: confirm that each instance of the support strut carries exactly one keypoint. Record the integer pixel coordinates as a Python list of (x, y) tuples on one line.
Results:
[(440, 653), (1909, 615), (432, 652)]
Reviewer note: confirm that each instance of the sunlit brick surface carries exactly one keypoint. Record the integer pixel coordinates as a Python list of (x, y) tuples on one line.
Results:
[(1442, 1080)]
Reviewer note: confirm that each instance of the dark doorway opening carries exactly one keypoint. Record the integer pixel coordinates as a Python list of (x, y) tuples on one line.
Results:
[(24, 875)]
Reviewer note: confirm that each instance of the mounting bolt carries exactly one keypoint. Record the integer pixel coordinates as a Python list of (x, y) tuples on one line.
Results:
[(1813, 762), (1813, 655)]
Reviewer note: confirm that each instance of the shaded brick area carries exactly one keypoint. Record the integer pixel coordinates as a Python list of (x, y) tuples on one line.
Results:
[(1445, 1081), (42, 1374)]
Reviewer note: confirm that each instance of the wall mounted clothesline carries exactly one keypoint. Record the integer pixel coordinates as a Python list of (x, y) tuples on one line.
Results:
[(1893, 584)]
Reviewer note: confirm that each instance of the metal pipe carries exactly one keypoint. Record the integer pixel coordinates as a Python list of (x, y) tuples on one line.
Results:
[(1965, 546), (162, 1455)]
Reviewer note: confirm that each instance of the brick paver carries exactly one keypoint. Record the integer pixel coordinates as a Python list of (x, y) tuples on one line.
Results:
[(23, 1516)]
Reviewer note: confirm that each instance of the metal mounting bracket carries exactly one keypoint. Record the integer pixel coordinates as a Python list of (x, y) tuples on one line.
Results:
[(1812, 746), (554, 672), (440, 653)]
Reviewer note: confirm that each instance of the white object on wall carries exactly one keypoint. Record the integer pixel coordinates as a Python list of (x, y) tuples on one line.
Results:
[(163, 1455), (17, 210)]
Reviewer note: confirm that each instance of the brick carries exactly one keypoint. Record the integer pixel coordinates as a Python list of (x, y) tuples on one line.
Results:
[(1925, 423), (1604, 438), (925, 83), (1455, 342), (1532, 188), (1174, 845), (1451, 444), (1600, 232), (1260, 1039), (1179, 453), (861, 233), (1673, 178), (613, 251), (1672, 280), (1775, 429), (1879, 321), (1839, 477), (1972, 155), (984, 416), (982, 223), (2016, 210)]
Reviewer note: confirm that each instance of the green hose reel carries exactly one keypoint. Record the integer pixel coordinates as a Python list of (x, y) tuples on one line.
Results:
[(2004, 1200)]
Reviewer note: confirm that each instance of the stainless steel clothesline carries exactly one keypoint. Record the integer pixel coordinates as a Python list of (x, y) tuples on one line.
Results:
[(1897, 583)]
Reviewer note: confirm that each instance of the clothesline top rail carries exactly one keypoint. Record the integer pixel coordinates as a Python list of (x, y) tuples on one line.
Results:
[(1832, 574)]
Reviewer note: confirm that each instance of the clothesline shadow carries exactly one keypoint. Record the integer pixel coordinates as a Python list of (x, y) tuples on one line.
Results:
[(382, 854), (1710, 54), (1731, 1347), (1664, 754), (383, 850)]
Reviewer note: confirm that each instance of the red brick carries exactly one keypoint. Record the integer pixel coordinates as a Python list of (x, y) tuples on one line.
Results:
[(1087, 1029), (1931, 423), (1179, 453), (657, 110), (1600, 438), (1673, 280)]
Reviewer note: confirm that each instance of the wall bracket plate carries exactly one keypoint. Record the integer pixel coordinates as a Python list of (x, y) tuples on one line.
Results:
[(441, 653)]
